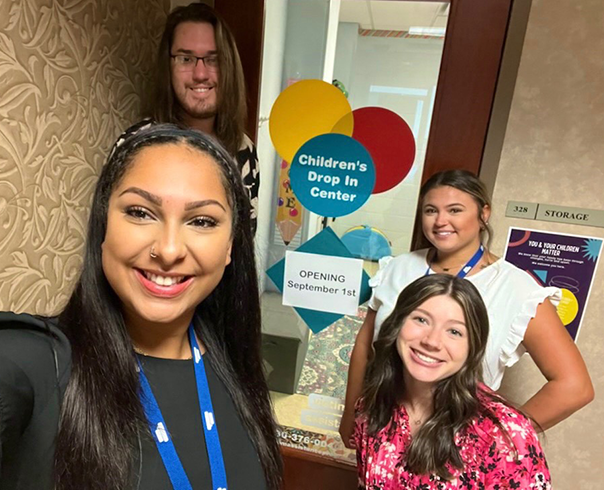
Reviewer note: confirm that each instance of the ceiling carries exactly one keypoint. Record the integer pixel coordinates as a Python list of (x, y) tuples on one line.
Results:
[(395, 15)]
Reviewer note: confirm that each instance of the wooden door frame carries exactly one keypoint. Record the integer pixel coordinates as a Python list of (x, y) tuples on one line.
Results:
[(246, 20), (305, 470), (467, 82)]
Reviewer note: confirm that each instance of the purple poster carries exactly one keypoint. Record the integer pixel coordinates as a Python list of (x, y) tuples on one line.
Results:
[(565, 261)]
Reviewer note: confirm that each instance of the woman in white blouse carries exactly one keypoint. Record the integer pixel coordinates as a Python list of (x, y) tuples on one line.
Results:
[(453, 229)]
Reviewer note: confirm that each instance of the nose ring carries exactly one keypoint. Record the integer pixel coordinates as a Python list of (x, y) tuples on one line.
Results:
[(152, 253)]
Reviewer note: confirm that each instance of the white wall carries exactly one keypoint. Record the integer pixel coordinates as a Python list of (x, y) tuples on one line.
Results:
[(346, 49), (275, 22), (294, 48), (409, 67)]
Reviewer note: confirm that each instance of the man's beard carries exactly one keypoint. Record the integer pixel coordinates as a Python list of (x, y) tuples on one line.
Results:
[(204, 111)]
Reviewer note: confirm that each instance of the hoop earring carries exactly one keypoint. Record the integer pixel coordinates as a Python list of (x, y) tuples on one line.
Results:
[(152, 253)]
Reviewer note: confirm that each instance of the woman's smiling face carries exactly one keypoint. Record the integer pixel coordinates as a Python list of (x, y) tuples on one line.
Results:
[(433, 342), (451, 220), (168, 238)]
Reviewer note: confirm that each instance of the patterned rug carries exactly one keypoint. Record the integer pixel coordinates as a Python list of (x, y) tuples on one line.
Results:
[(325, 368)]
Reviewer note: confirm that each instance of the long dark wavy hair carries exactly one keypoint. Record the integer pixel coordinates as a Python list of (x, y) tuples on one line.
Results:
[(463, 181), (457, 399), (101, 415), (231, 110)]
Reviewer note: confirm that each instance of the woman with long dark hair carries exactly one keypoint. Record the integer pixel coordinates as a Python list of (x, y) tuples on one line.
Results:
[(452, 236), (425, 420), (166, 387)]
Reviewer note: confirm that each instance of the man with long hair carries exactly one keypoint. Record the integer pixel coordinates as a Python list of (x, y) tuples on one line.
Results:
[(199, 84)]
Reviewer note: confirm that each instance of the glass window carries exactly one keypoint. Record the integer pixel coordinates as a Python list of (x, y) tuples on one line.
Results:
[(382, 53)]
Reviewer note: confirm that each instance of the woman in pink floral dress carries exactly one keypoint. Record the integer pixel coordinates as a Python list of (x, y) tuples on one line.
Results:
[(425, 421)]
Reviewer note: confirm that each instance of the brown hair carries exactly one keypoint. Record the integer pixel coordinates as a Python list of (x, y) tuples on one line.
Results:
[(463, 181), (457, 399), (231, 108)]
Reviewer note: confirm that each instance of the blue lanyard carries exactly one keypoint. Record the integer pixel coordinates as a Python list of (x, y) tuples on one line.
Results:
[(162, 437), (469, 266)]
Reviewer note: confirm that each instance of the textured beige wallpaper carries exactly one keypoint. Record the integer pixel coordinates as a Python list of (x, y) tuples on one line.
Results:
[(553, 153), (72, 77)]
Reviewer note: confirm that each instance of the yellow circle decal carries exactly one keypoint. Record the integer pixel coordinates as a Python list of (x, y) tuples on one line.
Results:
[(306, 109), (568, 307)]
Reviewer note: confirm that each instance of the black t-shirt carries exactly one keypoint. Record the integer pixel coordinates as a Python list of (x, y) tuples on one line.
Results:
[(173, 384), (34, 371)]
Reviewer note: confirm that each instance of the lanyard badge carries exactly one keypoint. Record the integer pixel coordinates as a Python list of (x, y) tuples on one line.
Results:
[(162, 437), (469, 266)]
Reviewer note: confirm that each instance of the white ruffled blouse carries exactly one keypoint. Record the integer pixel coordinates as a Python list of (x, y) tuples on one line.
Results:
[(510, 294)]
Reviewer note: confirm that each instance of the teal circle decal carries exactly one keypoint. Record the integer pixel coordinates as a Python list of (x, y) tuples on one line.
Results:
[(332, 175)]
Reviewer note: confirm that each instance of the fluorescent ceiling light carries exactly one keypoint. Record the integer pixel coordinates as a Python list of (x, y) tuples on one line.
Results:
[(427, 31)]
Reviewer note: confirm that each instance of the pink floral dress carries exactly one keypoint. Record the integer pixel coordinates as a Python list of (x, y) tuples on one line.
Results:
[(491, 463)]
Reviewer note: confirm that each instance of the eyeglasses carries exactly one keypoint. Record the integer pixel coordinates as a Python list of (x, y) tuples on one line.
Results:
[(188, 62)]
